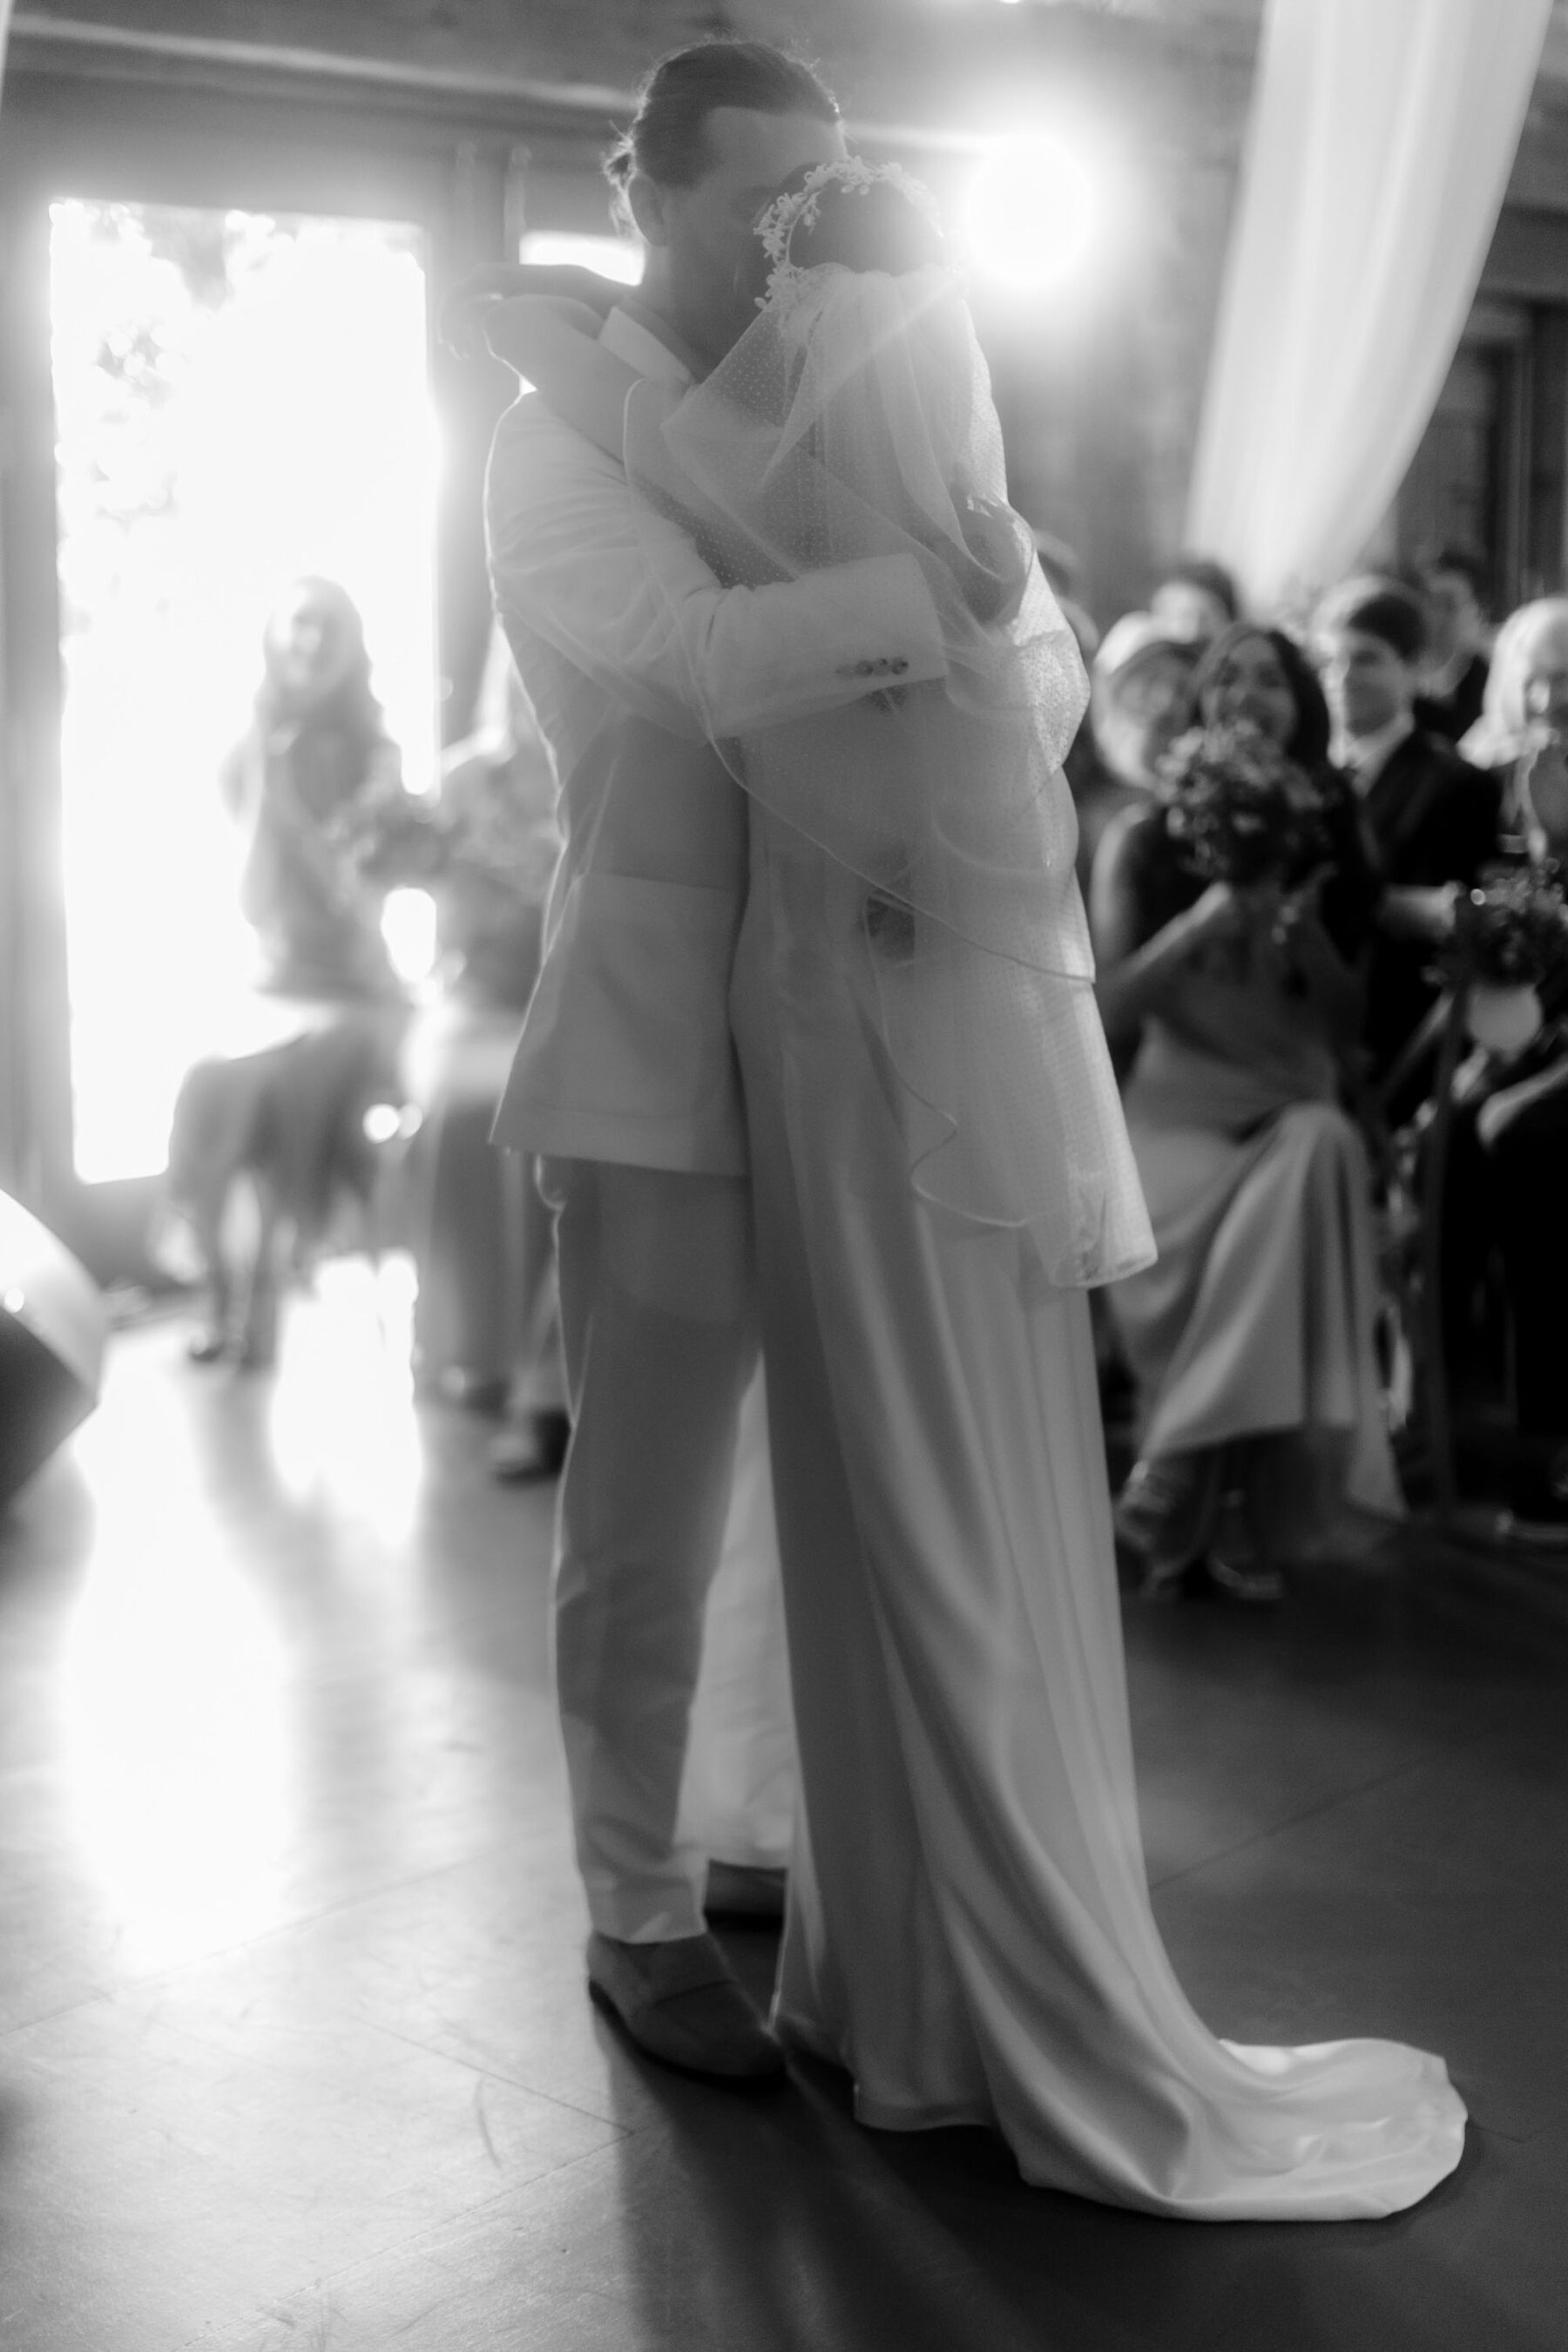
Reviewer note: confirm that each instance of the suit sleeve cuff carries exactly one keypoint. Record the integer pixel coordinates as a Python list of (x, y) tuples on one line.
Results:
[(886, 626)]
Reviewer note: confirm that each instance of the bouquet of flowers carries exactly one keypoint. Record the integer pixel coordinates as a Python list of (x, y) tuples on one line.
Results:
[(1511, 930), (1238, 811), (1510, 937)]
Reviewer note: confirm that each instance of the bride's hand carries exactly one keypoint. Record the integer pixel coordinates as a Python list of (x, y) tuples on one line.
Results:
[(468, 305)]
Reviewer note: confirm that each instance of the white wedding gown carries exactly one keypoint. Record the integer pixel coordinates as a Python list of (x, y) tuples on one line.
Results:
[(969, 1930)]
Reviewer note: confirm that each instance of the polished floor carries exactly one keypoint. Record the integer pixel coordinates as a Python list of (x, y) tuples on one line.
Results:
[(294, 2051)]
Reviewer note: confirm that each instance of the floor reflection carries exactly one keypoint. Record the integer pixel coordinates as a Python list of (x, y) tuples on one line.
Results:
[(191, 1751), (177, 1761), (342, 1422), (292, 2028)]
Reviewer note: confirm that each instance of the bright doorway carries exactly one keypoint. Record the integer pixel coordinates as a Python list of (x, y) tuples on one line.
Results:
[(241, 398)]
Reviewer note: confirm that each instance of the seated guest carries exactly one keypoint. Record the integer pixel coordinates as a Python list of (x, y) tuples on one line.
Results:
[(1196, 599), (1527, 684), (1251, 1337), (1508, 1165), (1455, 681), (1522, 1128), (1139, 700), (1433, 818), (279, 1109)]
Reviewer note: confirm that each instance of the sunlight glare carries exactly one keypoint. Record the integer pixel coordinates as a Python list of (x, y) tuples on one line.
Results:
[(1032, 212)]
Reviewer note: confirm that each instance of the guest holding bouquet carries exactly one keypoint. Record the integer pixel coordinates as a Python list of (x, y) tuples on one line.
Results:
[(1232, 917), (1526, 693), (1508, 1167), (1520, 1112), (325, 828)]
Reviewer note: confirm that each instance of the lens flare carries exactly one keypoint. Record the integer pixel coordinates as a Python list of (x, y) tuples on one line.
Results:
[(1031, 211)]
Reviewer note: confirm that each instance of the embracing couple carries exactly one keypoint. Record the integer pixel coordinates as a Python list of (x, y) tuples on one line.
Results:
[(814, 1067)]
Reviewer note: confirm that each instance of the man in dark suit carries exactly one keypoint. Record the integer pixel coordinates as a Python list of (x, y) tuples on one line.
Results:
[(1433, 818), (1455, 685)]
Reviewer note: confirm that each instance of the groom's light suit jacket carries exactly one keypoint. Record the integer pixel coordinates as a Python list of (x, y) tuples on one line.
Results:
[(623, 637)]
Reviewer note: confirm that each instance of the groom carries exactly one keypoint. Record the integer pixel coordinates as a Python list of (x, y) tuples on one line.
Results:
[(626, 1081)]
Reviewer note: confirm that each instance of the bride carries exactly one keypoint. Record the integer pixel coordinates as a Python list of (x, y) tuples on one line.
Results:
[(941, 1174)]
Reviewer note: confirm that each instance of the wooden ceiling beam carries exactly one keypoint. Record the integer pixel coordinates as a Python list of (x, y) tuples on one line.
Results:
[(68, 48)]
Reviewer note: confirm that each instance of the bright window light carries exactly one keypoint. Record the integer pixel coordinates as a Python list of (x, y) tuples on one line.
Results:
[(241, 398), (1032, 211), (612, 256)]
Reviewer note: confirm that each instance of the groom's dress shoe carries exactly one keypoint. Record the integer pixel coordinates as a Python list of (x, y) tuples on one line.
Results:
[(681, 2003)]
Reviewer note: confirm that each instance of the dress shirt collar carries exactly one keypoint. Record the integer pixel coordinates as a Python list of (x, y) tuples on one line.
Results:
[(633, 339), (1364, 757)]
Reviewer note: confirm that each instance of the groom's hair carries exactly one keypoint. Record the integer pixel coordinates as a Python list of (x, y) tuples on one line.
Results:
[(666, 140)]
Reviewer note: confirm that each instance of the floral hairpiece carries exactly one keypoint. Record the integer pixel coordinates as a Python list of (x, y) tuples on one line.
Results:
[(778, 225)]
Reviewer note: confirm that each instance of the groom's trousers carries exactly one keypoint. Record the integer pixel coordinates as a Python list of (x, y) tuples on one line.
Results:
[(658, 1322)]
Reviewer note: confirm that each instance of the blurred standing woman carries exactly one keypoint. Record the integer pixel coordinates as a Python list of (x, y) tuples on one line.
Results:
[(484, 1321), (314, 789), (1250, 1338)]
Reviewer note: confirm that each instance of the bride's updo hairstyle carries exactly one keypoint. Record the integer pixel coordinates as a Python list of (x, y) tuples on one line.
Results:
[(859, 229), (870, 224)]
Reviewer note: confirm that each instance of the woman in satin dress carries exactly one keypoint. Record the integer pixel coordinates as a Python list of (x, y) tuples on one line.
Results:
[(1251, 1338)]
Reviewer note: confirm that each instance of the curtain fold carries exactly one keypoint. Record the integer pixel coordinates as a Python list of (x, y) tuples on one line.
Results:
[(1379, 146)]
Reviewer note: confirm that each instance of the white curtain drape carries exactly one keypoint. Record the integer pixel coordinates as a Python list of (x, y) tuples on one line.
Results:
[(1379, 146), (4, 30)]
